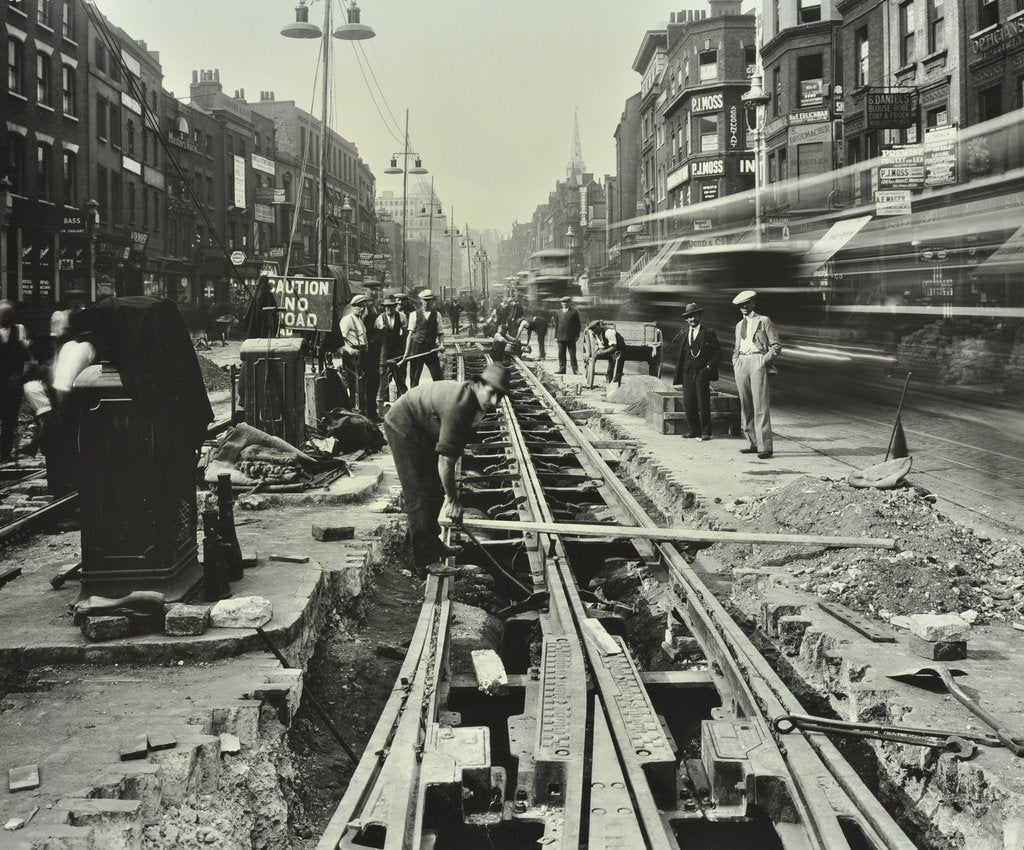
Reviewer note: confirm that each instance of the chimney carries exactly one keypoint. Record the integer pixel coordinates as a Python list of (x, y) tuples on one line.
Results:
[(671, 17), (142, 44), (216, 75), (241, 95), (195, 76)]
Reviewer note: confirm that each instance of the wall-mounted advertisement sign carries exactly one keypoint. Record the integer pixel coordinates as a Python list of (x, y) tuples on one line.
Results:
[(892, 202), (239, 193), (890, 110), (706, 103), (940, 155)]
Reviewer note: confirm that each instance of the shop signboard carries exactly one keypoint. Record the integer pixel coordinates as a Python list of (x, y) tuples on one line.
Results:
[(261, 163), (305, 302), (709, 191), (264, 213), (901, 176), (890, 110), (677, 177), (239, 193), (269, 195), (706, 103), (809, 116), (892, 202), (940, 155)]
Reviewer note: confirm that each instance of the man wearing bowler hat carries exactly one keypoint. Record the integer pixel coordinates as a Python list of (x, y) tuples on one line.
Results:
[(756, 347), (428, 429), (425, 335), (391, 333), (699, 357)]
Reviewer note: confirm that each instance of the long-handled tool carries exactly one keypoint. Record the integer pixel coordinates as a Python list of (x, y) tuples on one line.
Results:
[(922, 676), (513, 586), (394, 361), (312, 700)]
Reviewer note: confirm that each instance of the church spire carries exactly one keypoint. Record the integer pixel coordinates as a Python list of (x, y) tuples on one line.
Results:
[(576, 166)]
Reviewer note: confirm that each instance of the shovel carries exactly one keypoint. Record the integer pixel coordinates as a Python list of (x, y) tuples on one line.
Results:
[(924, 676)]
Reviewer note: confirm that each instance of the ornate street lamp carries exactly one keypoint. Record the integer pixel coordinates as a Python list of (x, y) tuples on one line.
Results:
[(405, 171), (754, 100)]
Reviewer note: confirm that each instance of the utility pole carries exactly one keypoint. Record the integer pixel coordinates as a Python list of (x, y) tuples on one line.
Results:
[(321, 222), (405, 200), (451, 253), (469, 259), (430, 236)]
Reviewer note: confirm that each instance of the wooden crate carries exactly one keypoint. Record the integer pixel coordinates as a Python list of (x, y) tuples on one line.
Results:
[(669, 423)]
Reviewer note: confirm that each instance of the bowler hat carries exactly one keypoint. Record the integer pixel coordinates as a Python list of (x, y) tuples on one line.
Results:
[(495, 375), (745, 296), (565, 299), (692, 309), (425, 294)]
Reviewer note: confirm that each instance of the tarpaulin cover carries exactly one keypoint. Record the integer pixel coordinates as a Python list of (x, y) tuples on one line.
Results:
[(251, 456)]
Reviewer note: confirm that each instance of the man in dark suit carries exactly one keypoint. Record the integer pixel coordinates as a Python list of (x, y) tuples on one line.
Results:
[(697, 368), (567, 332)]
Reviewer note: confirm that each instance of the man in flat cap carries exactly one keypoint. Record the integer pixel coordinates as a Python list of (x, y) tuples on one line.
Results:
[(391, 334), (354, 351), (756, 346), (567, 332), (428, 429), (699, 357), (426, 335)]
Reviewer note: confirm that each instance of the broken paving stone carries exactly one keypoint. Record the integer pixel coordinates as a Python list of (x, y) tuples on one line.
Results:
[(14, 823), (23, 778), (161, 740), (939, 627), (186, 620), (332, 533), (970, 616), (253, 503), (105, 628), (243, 612), (229, 743), (134, 747), (289, 559)]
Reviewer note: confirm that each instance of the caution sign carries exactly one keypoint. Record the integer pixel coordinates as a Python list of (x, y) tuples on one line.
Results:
[(305, 302)]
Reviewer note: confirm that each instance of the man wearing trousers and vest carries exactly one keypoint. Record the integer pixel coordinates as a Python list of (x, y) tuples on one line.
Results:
[(391, 334), (425, 335), (427, 430), (699, 357), (756, 346)]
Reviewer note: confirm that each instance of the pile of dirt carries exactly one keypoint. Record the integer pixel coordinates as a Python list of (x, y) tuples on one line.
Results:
[(214, 377), (939, 566)]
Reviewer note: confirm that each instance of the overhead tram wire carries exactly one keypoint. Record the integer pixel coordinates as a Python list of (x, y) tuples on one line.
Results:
[(99, 21), (373, 98), (376, 82), (302, 171)]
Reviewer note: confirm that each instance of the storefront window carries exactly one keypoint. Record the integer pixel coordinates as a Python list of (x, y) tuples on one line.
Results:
[(708, 128)]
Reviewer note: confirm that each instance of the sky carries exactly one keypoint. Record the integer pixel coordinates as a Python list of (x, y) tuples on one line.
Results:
[(491, 86)]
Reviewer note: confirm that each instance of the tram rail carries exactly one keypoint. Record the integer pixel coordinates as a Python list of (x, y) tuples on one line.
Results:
[(587, 750)]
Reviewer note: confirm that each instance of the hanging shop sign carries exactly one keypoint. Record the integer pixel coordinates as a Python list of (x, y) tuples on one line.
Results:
[(239, 193), (940, 155), (707, 168), (305, 302), (263, 213), (734, 127), (261, 163), (890, 110), (892, 202)]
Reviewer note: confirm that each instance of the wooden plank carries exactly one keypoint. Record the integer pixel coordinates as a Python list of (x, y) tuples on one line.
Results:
[(857, 622), (679, 535)]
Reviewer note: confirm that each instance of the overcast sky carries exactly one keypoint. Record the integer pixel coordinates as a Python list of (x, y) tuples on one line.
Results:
[(490, 85)]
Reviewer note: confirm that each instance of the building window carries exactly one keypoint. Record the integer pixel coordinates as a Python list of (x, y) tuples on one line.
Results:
[(70, 179), (937, 117), (906, 16), (776, 91), (708, 130), (863, 57), (101, 118), (131, 202), (708, 60), (68, 85), (44, 171), (936, 25), (156, 212), (209, 145), (43, 79), (809, 80), (750, 58), (116, 199), (17, 6), (988, 13), (130, 133), (15, 66), (145, 207), (810, 11), (43, 12), (990, 103), (68, 21), (231, 144), (16, 162), (100, 54), (209, 190), (115, 125), (775, 17), (102, 198)]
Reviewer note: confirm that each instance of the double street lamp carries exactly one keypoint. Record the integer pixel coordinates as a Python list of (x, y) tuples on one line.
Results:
[(405, 171), (353, 30), (755, 99)]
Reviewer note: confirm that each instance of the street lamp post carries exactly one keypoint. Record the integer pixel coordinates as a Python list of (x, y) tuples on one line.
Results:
[(570, 244), (755, 99), (451, 232), (405, 171), (469, 244), (92, 221), (430, 234), (354, 30)]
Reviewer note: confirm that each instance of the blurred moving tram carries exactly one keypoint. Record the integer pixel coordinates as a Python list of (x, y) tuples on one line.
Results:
[(549, 277)]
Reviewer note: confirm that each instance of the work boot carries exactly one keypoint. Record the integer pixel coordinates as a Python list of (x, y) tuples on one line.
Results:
[(750, 450), (764, 455)]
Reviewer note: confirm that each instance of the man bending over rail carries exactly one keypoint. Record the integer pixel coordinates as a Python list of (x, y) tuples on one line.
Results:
[(428, 429)]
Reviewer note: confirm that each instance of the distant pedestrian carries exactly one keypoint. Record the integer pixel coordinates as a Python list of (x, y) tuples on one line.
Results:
[(699, 357), (756, 347), (426, 335), (455, 311), (472, 315), (15, 352), (428, 429), (611, 345), (391, 332), (567, 333)]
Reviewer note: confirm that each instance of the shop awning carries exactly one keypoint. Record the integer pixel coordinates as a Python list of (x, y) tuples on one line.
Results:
[(1007, 255), (825, 248), (647, 276)]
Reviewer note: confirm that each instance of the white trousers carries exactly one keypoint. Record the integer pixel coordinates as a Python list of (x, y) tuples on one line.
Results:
[(751, 375)]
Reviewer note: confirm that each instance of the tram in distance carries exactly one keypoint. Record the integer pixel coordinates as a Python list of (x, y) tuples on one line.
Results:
[(838, 263), (549, 277)]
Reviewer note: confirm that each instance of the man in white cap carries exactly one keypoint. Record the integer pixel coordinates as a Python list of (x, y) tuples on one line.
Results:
[(426, 335), (428, 429), (354, 352), (757, 345)]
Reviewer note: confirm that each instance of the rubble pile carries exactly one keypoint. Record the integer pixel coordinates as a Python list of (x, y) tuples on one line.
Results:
[(939, 566), (214, 377)]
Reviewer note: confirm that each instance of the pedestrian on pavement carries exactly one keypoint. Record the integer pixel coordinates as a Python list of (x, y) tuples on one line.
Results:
[(391, 333), (354, 352), (611, 345), (756, 347), (426, 334), (428, 429), (699, 357), (567, 333), (15, 352), (455, 311)]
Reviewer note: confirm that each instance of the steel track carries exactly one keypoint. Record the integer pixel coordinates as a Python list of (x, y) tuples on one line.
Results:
[(579, 754)]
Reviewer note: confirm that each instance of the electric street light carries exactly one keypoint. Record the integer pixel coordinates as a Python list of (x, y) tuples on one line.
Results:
[(354, 30), (757, 98), (451, 233), (405, 171)]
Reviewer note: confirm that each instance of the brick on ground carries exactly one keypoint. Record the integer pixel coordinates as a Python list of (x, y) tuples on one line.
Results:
[(490, 672), (105, 628), (939, 627), (186, 620)]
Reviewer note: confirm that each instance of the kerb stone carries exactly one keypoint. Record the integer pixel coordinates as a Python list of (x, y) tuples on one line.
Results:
[(105, 628), (245, 612), (186, 620), (939, 627)]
